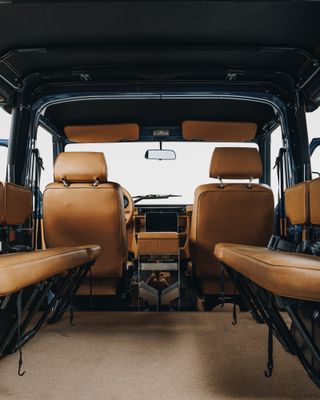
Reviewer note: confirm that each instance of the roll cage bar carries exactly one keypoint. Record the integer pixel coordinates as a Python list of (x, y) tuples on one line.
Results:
[(28, 113)]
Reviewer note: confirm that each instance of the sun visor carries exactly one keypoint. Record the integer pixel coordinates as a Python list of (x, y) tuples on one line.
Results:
[(102, 133), (218, 131)]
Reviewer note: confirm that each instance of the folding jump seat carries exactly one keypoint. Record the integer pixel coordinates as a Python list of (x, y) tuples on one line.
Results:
[(26, 278), (271, 281), (15, 209)]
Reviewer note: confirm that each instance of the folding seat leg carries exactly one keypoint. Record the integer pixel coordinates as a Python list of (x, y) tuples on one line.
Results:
[(66, 293), (19, 316), (250, 301), (10, 339), (245, 296), (41, 301), (63, 297), (268, 372)]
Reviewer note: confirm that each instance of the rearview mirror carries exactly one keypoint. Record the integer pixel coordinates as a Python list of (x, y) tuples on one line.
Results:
[(160, 154)]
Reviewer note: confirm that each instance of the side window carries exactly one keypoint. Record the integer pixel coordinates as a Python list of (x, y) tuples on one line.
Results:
[(5, 121), (45, 146), (3, 162), (276, 144), (315, 162), (313, 123)]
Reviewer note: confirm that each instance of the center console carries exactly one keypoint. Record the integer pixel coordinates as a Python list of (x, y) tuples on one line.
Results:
[(159, 261), (159, 243), (149, 218)]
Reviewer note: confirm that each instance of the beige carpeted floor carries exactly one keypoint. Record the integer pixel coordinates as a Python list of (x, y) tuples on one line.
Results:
[(153, 356)]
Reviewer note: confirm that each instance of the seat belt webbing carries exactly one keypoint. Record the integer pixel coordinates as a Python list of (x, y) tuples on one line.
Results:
[(281, 181), (38, 166)]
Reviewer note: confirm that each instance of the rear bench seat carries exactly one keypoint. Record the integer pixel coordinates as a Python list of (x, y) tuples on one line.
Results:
[(27, 278), (273, 280)]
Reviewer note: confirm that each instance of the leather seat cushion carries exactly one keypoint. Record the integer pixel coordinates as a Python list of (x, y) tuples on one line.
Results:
[(284, 274), (18, 271), (158, 242)]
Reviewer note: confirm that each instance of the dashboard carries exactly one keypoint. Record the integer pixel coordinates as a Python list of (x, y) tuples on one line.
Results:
[(156, 218)]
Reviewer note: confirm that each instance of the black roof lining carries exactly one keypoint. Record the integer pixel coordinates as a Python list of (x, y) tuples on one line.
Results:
[(275, 36)]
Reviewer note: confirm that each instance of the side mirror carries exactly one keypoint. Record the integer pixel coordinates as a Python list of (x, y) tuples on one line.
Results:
[(4, 142), (160, 154)]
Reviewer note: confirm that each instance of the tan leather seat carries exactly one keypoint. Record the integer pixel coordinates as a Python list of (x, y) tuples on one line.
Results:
[(297, 203), (21, 270), (81, 207), (232, 212), (302, 203), (314, 201), (284, 274), (15, 204)]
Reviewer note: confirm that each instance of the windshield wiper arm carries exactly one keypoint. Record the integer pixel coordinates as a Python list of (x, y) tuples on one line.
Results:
[(154, 197)]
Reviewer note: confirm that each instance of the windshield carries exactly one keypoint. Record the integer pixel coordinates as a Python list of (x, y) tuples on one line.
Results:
[(128, 167)]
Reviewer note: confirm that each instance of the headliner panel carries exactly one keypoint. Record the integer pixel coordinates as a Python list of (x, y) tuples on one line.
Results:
[(43, 36)]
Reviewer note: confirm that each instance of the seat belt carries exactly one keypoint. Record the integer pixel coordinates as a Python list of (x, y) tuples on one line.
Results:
[(222, 295), (279, 241), (280, 174), (234, 312), (38, 167)]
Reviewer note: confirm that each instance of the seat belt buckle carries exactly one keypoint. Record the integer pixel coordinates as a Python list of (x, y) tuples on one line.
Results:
[(273, 242), (285, 245), (277, 243)]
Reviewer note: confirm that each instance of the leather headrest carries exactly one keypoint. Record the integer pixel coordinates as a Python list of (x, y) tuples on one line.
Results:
[(235, 163), (79, 167)]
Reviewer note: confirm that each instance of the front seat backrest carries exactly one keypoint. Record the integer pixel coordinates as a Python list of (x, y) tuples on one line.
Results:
[(229, 212), (81, 207)]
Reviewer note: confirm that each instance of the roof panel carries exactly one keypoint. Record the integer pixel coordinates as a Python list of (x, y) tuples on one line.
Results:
[(38, 36)]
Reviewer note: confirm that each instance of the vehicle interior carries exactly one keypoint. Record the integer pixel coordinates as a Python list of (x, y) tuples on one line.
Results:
[(160, 200)]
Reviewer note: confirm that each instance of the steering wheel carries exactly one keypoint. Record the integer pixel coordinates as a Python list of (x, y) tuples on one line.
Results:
[(128, 206)]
